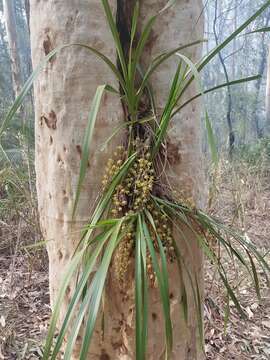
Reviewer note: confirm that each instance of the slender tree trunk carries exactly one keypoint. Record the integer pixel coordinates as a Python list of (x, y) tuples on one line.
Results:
[(63, 93), (255, 116), (27, 12), (267, 100), (258, 84), (10, 20), (25, 4), (7, 79), (235, 25), (229, 94)]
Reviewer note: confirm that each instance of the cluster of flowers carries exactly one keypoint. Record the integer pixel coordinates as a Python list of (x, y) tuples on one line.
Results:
[(132, 195)]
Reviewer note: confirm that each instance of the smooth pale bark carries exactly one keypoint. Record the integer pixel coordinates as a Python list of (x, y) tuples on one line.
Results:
[(10, 20), (62, 96), (180, 25)]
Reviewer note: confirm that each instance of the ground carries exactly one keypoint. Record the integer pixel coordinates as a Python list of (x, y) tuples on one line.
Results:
[(240, 198)]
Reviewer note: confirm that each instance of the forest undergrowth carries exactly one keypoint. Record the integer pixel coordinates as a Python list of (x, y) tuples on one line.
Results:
[(240, 197)]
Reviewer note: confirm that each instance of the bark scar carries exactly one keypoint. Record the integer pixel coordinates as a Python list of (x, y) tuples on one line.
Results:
[(104, 355), (50, 120), (47, 45), (79, 150)]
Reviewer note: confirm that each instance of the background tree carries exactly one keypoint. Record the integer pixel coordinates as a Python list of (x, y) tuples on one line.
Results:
[(245, 56), (11, 29), (268, 97), (15, 59), (5, 76), (27, 11), (226, 75)]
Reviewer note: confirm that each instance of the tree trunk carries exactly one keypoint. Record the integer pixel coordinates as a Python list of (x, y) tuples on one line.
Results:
[(184, 156), (262, 65), (267, 100), (229, 93), (27, 13), (10, 20), (255, 116), (63, 93)]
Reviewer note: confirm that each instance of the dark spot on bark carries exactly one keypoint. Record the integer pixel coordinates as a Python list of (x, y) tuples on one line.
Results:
[(65, 199), (50, 195), (71, 21), (173, 155), (59, 158), (68, 290), (104, 356), (79, 150), (51, 140), (105, 98), (50, 120), (79, 338), (128, 330), (154, 316), (47, 45), (189, 350), (53, 119), (65, 148), (125, 297), (171, 296), (64, 192), (88, 163), (60, 255), (43, 117), (116, 345)]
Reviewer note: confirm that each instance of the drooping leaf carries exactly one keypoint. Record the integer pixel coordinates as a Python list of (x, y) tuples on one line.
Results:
[(164, 294), (220, 86), (92, 117), (97, 290), (84, 277)]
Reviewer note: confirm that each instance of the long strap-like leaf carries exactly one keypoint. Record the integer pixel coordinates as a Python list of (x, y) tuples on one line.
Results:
[(164, 293), (92, 117)]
